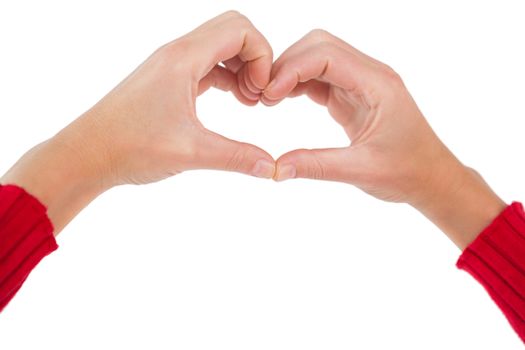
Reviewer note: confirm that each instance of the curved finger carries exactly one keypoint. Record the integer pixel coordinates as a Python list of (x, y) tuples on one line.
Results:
[(232, 34), (316, 90), (316, 37), (219, 78), (246, 87), (222, 79), (234, 64), (326, 62), (246, 84)]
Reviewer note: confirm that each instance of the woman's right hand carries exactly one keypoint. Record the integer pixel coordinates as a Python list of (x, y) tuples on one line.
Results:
[(394, 154)]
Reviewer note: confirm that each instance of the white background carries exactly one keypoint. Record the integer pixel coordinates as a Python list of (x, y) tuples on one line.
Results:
[(213, 260)]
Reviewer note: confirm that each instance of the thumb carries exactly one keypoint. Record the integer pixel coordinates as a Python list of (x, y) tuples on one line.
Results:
[(333, 164), (220, 153)]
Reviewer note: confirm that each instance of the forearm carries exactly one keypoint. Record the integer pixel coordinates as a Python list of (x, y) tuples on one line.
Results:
[(65, 172), (459, 202)]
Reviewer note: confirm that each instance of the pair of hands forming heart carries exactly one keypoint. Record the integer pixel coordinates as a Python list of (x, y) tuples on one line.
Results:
[(150, 130), (146, 129)]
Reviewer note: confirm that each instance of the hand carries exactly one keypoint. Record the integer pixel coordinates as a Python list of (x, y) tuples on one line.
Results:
[(394, 155), (149, 122), (146, 129)]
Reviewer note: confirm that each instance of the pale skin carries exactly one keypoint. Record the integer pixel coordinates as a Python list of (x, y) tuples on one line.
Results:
[(394, 154), (146, 129)]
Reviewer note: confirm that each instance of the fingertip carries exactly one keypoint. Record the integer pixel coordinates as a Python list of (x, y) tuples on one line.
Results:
[(285, 172), (262, 163), (263, 168), (259, 71), (243, 87), (236, 91), (258, 75), (269, 96), (251, 103), (268, 102), (268, 91), (249, 80), (279, 87)]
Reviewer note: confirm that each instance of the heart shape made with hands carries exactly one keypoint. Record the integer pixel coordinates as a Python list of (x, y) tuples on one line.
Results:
[(391, 142), (388, 135), (327, 70), (319, 66)]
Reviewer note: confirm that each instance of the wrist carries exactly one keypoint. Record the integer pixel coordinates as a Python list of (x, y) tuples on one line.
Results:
[(65, 172), (459, 202)]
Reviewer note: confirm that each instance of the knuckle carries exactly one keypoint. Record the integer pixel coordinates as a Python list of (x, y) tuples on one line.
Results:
[(187, 150), (236, 160), (170, 57), (474, 171), (390, 86), (316, 169), (391, 75), (187, 147), (319, 35), (324, 48), (234, 15), (170, 48)]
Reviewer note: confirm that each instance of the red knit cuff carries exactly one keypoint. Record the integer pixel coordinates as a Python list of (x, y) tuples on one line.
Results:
[(496, 259), (26, 237)]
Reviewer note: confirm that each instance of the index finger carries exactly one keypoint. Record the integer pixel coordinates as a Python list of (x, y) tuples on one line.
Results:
[(327, 59), (226, 36)]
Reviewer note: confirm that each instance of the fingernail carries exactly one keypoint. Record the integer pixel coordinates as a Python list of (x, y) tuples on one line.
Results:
[(263, 168), (285, 172)]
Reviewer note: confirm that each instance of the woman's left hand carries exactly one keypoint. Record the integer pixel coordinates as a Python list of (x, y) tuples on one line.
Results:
[(146, 129)]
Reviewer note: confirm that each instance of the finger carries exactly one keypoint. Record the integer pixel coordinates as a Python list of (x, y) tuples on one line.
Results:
[(232, 34), (219, 78), (222, 79), (238, 66), (243, 86), (321, 43), (316, 37), (326, 62), (244, 81), (234, 64), (220, 153), (333, 164), (316, 90)]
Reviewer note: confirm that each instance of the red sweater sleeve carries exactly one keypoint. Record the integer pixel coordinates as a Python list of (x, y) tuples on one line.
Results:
[(496, 259), (26, 236)]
